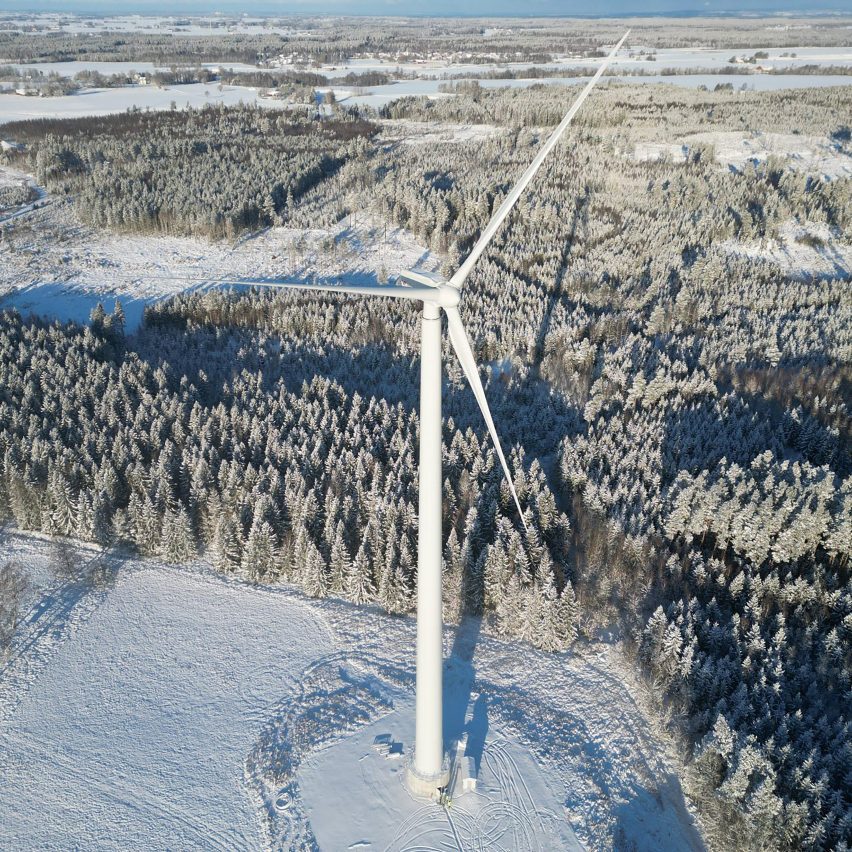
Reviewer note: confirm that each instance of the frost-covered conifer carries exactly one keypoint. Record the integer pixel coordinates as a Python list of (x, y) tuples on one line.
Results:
[(259, 554), (227, 548), (177, 543), (359, 582), (314, 576)]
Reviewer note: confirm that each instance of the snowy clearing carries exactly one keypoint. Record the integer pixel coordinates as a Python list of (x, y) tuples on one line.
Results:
[(175, 708), (379, 96), (682, 59), (69, 69), (135, 733), (809, 250), (62, 268), (107, 101), (428, 133), (352, 793), (809, 154)]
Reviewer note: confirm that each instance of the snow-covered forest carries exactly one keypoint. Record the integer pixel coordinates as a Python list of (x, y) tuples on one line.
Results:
[(677, 409), (142, 171)]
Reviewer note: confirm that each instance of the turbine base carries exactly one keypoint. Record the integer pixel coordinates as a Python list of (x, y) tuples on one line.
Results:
[(426, 786)]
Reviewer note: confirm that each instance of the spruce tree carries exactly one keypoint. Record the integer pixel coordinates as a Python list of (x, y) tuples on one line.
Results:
[(260, 552), (359, 582)]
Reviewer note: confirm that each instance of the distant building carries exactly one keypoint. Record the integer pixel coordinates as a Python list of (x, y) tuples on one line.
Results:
[(29, 90), (8, 145)]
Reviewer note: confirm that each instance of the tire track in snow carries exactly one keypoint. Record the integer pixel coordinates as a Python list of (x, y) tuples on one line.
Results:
[(127, 794), (49, 623)]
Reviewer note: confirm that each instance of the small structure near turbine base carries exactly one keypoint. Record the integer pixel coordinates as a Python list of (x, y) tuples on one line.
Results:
[(384, 744), (463, 772), (467, 774)]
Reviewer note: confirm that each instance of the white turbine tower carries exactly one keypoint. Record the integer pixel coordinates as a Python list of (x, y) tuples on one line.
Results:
[(428, 771)]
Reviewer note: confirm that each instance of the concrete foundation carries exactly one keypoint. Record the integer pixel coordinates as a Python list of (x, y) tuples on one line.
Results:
[(425, 786)]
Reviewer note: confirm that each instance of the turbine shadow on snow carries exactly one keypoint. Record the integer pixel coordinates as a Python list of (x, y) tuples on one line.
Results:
[(64, 302), (376, 370), (459, 676), (578, 218)]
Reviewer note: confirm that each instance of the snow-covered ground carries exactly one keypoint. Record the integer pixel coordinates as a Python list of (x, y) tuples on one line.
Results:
[(430, 132), (353, 793), (809, 250), (810, 154), (172, 708), (63, 268), (69, 69), (106, 101), (135, 732), (378, 96)]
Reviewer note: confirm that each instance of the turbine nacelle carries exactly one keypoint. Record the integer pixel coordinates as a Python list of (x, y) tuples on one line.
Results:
[(445, 294)]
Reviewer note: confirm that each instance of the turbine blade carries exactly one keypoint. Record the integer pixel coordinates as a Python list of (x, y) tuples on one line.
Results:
[(417, 292), (511, 199), (461, 345)]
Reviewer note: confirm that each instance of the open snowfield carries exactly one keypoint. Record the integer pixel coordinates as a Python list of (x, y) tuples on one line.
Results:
[(682, 59), (15, 107), (69, 69), (811, 250), (172, 708), (62, 268), (107, 101), (809, 154), (135, 731), (379, 96), (351, 791), (640, 58)]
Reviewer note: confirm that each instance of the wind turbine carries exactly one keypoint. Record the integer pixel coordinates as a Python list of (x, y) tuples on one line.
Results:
[(428, 771)]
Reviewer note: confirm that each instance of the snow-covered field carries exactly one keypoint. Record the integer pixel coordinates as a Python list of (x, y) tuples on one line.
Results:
[(682, 59), (810, 154), (106, 101), (172, 708), (807, 250), (379, 96), (69, 69), (135, 731), (64, 268)]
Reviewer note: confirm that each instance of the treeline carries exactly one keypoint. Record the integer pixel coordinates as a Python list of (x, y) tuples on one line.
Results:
[(161, 49), (536, 72), (285, 81), (35, 83), (15, 196), (315, 41)]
